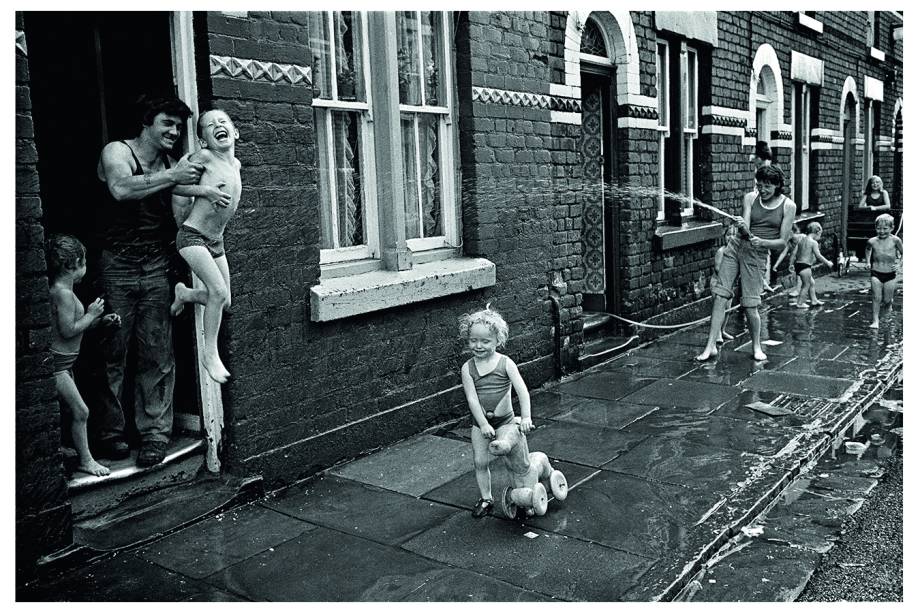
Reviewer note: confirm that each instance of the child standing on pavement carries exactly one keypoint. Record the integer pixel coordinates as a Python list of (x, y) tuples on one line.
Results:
[(200, 239), (882, 252), (789, 249), (714, 280), (66, 258), (803, 256), (487, 381)]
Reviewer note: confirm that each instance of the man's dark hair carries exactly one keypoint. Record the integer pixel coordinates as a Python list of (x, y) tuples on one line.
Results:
[(149, 107), (771, 174), (763, 151), (63, 252)]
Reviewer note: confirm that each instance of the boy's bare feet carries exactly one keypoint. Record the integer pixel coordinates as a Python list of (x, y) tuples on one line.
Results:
[(92, 467), (759, 355), (216, 369), (818, 302), (874, 324), (708, 352), (179, 301)]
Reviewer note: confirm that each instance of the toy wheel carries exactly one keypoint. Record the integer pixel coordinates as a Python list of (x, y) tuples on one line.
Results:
[(506, 506), (558, 485), (540, 499)]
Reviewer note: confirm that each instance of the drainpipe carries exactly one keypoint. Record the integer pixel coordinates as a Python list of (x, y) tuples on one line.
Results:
[(554, 297)]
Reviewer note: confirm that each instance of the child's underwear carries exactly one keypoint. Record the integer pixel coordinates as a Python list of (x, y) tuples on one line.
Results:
[(501, 420), (63, 362), (800, 266), (884, 277), (192, 237)]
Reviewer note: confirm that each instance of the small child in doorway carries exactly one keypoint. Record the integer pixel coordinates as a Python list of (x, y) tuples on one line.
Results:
[(875, 197), (487, 381), (790, 249), (882, 253), (66, 258), (200, 239), (803, 256)]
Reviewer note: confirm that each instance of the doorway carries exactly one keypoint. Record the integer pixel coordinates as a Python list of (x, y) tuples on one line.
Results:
[(847, 190), (86, 71), (599, 235)]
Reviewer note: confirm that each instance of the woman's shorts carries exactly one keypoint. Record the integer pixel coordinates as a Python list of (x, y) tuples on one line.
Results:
[(743, 259), (192, 237)]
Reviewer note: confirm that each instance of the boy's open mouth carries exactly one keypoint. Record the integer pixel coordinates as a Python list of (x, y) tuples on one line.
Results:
[(221, 134)]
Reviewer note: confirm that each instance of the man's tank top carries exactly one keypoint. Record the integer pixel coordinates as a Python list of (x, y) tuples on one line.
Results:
[(138, 229), (766, 223), (490, 388)]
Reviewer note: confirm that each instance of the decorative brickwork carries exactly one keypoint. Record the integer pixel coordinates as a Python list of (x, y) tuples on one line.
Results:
[(526, 99), (254, 70)]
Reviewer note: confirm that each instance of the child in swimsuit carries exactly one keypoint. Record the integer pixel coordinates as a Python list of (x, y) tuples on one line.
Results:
[(791, 245), (66, 258), (882, 252), (803, 257), (875, 197), (487, 381), (200, 239)]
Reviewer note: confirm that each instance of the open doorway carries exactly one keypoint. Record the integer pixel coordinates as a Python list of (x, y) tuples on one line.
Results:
[(86, 71)]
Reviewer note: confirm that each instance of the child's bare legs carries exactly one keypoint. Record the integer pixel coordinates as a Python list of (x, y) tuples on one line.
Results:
[(719, 304), (79, 413), (753, 318), (876, 300), (806, 278), (888, 295), (481, 459), (813, 293), (216, 293), (798, 287)]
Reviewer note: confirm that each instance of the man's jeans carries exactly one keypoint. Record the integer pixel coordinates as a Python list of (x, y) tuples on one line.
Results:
[(138, 291)]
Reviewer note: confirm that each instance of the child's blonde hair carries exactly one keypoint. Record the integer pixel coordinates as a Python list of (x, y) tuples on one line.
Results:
[(796, 229), (814, 227), (490, 319), (884, 218), (868, 190)]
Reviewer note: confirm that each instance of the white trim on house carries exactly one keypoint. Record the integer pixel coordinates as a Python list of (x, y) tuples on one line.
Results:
[(874, 88), (766, 57), (806, 68), (618, 29)]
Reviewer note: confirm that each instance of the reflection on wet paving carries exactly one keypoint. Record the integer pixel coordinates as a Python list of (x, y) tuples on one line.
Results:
[(714, 432), (223, 540), (693, 395), (678, 461), (635, 515), (379, 515), (591, 411), (732, 367), (823, 368), (548, 563), (582, 444), (810, 386), (643, 366), (458, 585), (326, 565), (609, 385)]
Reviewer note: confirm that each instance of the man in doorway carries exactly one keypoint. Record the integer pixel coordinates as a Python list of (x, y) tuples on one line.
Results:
[(136, 231)]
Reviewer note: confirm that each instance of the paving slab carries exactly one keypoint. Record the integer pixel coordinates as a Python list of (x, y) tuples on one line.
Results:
[(759, 572), (126, 578), (809, 386), (823, 368), (677, 461), (731, 367), (379, 515), (327, 565), (565, 568), (463, 492), (667, 350), (458, 585), (581, 444), (642, 366), (413, 466), (223, 540), (695, 395), (642, 517), (596, 411), (608, 384), (714, 432)]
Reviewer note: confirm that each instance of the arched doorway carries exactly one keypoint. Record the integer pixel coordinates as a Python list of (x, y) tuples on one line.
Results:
[(598, 146)]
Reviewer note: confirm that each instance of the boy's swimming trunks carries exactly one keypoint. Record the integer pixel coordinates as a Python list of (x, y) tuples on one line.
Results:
[(63, 362), (800, 266), (191, 237), (884, 277)]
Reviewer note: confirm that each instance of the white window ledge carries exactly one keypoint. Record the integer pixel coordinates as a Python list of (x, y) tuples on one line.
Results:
[(383, 289), (876, 54), (811, 23)]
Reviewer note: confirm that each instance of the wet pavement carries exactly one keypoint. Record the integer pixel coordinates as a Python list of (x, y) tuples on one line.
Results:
[(668, 461)]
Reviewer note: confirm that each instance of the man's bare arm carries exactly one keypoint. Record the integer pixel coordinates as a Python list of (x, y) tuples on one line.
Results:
[(123, 184)]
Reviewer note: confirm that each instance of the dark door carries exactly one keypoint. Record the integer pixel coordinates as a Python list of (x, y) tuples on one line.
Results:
[(599, 236), (86, 71)]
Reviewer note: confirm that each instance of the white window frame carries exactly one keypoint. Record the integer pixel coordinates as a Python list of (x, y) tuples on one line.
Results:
[(430, 248), (662, 73), (801, 124), (325, 147), (689, 92), (869, 128)]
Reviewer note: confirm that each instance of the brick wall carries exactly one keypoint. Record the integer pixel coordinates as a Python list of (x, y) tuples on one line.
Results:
[(42, 510)]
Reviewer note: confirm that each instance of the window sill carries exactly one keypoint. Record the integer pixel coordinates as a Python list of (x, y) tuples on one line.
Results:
[(690, 232), (346, 296), (876, 54), (811, 23)]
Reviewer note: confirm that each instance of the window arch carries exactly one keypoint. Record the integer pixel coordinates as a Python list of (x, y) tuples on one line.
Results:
[(766, 93)]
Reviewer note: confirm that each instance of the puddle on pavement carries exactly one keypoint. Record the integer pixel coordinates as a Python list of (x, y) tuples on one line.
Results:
[(806, 518)]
